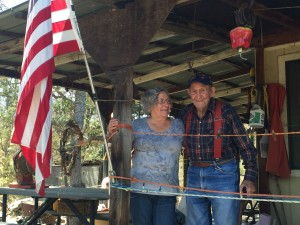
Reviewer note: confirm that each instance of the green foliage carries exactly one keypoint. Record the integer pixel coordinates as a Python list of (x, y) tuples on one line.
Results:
[(7, 171), (8, 100)]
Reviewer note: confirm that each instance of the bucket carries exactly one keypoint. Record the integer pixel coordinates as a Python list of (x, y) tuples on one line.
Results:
[(257, 117)]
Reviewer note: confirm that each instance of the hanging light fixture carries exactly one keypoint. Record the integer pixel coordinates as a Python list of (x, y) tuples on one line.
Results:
[(241, 36)]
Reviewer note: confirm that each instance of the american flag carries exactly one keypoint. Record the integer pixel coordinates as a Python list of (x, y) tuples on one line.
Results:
[(32, 130)]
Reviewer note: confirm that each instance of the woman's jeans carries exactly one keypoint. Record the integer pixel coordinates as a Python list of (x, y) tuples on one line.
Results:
[(152, 209), (201, 210)]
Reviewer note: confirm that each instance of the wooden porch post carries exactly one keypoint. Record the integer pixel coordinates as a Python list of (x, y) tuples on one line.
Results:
[(263, 178), (121, 144)]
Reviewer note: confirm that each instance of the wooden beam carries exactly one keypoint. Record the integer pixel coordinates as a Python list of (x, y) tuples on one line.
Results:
[(219, 94), (231, 91), (174, 51), (220, 78), (12, 46), (180, 3), (240, 101), (196, 31), (67, 58), (10, 34), (279, 37), (235, 74), (162, 34), (201, 61)]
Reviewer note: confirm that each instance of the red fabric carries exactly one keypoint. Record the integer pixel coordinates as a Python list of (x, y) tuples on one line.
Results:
[(217, 127), (277, 161)]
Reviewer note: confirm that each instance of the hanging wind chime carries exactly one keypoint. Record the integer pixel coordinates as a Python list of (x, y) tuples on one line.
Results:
[(241, 36)]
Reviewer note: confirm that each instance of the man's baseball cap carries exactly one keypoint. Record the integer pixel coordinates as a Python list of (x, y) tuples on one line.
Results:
[(201, 78)]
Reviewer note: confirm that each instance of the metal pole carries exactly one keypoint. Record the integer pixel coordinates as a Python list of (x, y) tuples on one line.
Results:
[(77, 33)]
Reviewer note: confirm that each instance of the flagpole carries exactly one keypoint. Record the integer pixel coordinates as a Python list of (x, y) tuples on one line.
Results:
[(112, 172), (77, 33)]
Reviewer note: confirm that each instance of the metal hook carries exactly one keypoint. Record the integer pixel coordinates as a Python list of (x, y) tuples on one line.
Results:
[(243, 58)]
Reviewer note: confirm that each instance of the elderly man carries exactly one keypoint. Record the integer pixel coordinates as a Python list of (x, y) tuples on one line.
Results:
[(214, 162)]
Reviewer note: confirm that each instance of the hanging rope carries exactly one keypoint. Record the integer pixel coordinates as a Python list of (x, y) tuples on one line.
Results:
[(184, 191)]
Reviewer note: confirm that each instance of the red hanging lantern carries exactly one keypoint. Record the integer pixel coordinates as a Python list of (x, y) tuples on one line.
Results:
[(245, 18), (241, 38)]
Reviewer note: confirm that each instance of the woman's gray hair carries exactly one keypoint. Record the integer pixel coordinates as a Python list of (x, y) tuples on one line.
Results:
[(150, 97)]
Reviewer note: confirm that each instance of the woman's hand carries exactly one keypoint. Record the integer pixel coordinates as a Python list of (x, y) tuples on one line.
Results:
[(112, 126)]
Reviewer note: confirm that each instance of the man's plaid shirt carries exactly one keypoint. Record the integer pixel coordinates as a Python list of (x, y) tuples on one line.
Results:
[(201, 148)]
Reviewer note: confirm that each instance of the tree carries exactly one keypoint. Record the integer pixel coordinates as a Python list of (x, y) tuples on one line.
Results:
[(8, 101), (75, 178)]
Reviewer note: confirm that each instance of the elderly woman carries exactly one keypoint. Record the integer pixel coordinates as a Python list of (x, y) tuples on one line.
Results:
[(155, 159)]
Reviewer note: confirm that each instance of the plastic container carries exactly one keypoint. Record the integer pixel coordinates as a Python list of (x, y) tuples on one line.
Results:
[(257, 117)]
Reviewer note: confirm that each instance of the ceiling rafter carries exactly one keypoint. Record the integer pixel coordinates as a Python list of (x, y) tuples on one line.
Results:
[(12, 46), (196, 32), (201, 61), (216, 79), (10, 34)]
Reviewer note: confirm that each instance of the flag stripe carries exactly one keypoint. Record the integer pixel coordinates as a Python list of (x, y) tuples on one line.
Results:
[(68, 47), (61, 26), (65, 39), (61, 15), (58, 5), (65, 36)]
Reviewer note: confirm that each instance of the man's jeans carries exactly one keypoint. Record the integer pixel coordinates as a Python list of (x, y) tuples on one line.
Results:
[(200, 210), (152, 209)]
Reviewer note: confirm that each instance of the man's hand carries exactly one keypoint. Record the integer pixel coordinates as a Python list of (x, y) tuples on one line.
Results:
[(247, 187)]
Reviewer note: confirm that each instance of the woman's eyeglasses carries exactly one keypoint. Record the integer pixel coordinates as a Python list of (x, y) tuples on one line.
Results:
[(163, 101)]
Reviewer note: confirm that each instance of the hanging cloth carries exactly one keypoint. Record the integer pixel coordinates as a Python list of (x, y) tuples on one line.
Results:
[(277, 162)]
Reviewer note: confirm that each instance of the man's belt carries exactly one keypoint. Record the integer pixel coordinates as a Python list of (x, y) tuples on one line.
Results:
[(211, 163)]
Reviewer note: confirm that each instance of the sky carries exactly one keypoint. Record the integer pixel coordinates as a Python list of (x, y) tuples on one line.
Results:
[(12, 3)]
